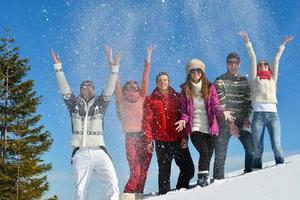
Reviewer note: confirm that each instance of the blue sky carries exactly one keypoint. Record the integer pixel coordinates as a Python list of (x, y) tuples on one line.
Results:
[(77, 31)]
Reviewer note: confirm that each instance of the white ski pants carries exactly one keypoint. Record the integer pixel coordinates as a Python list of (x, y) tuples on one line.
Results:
[(93, 159)]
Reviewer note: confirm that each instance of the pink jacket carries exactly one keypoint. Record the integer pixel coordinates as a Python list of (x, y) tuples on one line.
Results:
[(212, 106), (131, 114)]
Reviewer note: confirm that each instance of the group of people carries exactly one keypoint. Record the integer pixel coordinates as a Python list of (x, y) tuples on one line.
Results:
[(207, 113)]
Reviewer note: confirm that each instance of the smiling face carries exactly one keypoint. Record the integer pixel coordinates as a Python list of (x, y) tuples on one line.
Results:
[(131, 91), (233, 66), (162, 82), (195, 75), (87, 90), (233, 63), (131, 86)]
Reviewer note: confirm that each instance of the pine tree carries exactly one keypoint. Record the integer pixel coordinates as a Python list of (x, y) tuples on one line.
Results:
[(23, 141)]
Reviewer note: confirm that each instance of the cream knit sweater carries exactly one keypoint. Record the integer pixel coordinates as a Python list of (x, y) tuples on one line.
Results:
[(263, 90), (200, 119)]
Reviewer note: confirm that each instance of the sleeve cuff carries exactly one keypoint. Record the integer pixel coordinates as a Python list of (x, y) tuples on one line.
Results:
[(282, 47), (248, 44), (57, 66), (115, 69)]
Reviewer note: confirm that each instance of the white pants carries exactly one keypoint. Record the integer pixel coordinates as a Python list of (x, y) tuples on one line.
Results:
[(87, 160)]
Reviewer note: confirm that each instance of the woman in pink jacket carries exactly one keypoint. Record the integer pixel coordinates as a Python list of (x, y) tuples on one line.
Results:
[(200, 107), (130, 101)]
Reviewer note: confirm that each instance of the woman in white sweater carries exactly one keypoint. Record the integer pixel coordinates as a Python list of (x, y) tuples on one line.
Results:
[(263, 80)]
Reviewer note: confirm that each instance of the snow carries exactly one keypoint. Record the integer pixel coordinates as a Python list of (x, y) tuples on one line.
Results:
[(274, 182)]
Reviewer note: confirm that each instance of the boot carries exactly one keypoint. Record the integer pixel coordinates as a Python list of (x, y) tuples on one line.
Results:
[(202, 180), (138, 196), (128, 196)]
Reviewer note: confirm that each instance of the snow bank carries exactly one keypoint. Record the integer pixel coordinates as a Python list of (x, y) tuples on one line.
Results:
[(272, 183)]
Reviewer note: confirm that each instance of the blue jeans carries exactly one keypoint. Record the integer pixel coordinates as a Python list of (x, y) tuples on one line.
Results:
[(221, 146), (260, 121)]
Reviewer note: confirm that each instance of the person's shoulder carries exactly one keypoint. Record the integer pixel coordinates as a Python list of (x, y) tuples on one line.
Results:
[(151, 96), (243, 77), (173, 92), (211, 85), (222, 77)]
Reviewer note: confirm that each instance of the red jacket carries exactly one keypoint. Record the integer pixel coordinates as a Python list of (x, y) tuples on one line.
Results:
[(160, 115)]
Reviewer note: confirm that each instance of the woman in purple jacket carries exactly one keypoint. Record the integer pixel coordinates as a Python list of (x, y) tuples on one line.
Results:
[(199, 106)]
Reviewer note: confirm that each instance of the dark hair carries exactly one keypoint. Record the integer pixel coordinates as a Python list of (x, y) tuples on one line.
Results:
[(258, 63), (161, 74), (86, 81), (233, 55), (189, 88)]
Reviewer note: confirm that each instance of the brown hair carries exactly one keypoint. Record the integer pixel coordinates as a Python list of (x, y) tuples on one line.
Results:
[(161, 74), (233, 55), (190, 89)]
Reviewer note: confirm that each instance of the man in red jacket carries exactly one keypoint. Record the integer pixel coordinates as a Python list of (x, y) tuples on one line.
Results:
[(161, 114)]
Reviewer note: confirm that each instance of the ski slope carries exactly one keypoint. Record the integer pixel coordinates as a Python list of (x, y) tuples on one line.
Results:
[(274, 182)]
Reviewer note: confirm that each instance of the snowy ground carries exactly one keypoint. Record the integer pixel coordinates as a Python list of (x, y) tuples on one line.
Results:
[(272, 183)]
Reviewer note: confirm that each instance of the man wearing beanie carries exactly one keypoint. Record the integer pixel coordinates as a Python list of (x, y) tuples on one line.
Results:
[(234, 95), (87, 113)]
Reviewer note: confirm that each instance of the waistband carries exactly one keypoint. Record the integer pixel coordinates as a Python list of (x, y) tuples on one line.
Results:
[(75, 149), (135, 134)]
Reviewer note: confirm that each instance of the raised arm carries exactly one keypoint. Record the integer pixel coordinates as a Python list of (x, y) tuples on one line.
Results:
[(275, 63), (118, 88), (63, 85), (145, 80), (251, 54), (114, 67)]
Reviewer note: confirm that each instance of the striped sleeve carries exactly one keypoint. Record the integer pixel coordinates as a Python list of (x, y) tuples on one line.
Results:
[(247, 106), (220, 87)]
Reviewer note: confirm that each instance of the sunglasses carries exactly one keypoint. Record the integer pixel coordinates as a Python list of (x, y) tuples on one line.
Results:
[(195, 70), (231, 62), (87, 85), (263, 63)]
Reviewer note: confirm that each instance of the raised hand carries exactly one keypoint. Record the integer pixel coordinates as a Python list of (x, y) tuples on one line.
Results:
[(116, 61), (108, 52), (149, 52), (244, 35), (180, 125), (54, 57), (287, 39)]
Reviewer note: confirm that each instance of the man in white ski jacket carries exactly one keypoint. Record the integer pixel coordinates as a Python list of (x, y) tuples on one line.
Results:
[(87, 113)]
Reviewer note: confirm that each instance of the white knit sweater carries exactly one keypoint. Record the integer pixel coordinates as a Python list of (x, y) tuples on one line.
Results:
[(200, 119), (263, 90)]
